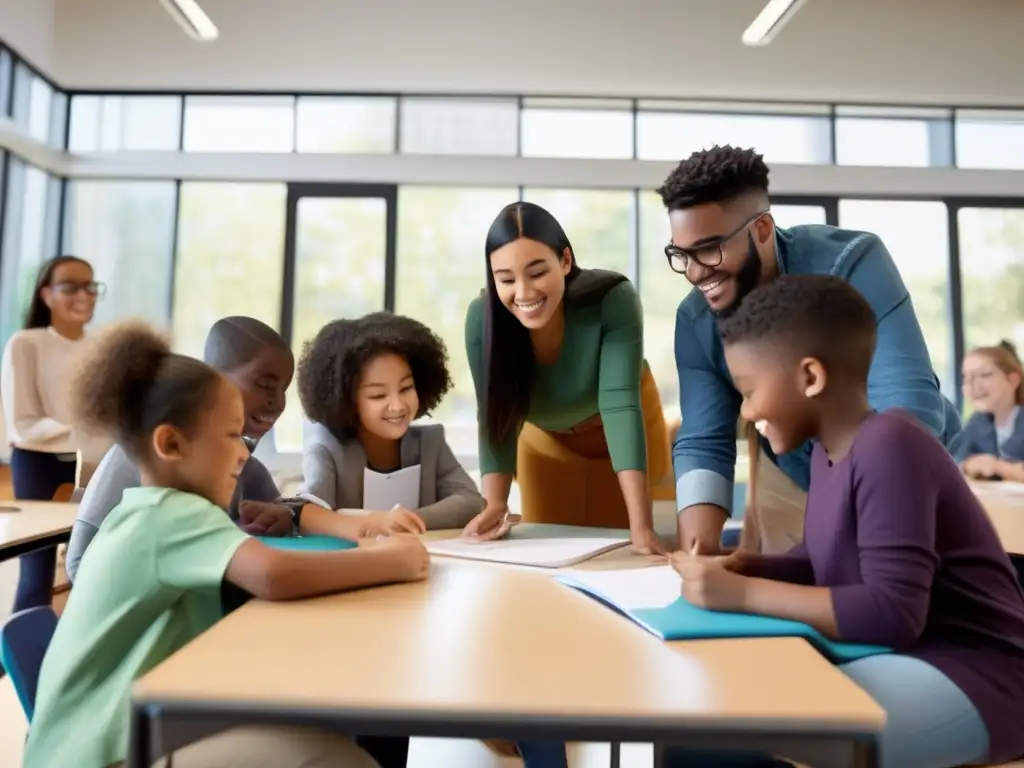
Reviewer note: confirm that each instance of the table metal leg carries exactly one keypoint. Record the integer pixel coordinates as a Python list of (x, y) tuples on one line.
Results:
[(615, 757), (139, 739), (865, 753)]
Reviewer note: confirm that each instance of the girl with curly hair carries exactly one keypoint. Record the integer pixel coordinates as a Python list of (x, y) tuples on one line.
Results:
[(362, 383)]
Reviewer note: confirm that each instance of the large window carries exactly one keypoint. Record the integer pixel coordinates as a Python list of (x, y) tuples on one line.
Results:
[(432, 126), (674, 130), (599, 223), (29, 238), (239, 124), (358, 124), (125, 230), (230, 242), (992, 269), (340, 251), (916, 234), (440, 270), (595, 128), (990, 139), (884, 137), (113, 123)]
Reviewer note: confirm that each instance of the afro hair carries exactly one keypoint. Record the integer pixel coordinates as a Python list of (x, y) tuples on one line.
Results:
[(332, 363)]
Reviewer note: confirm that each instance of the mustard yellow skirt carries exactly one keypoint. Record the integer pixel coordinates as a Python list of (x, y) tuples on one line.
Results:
[(567, 477)]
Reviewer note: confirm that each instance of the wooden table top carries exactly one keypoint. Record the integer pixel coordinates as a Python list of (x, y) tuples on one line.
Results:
[(477, 640), (1005, 507), (34, 520)]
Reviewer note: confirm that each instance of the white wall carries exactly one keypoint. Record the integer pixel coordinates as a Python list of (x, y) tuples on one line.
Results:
[(934, 51), (28, 27)]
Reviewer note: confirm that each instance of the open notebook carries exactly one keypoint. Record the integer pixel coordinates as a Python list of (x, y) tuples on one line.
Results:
[(650, 597), (542, 546)]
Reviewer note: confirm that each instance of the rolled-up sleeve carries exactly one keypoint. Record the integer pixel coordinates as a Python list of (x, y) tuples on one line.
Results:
[(704, 452)]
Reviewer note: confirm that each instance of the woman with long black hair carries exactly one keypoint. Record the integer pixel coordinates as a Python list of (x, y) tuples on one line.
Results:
[(34, 375), (566, 402)]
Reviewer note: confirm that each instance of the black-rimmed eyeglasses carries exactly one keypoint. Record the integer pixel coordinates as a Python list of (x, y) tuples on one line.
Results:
[(709, 254)]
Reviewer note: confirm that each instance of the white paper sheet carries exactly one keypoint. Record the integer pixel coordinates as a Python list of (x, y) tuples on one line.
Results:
[(384, 491), (1004, 487), (630, 588), (542, 553)]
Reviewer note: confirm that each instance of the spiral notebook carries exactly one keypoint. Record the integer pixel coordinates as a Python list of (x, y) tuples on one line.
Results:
[(650, 597)]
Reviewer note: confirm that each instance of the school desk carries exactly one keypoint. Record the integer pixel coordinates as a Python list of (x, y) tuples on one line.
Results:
[(1006, 510), (37, 525), (479, 651)]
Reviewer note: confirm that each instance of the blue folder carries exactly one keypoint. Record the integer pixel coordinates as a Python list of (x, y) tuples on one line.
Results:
[(684, 621), (307, 543)]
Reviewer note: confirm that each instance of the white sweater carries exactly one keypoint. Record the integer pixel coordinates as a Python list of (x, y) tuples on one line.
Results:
[(35, 375)]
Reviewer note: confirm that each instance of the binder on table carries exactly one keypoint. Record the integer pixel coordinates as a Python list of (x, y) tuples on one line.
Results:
[(651, 598)]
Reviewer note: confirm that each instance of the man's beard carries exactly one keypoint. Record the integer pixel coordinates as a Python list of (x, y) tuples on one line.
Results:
[(747, 279)]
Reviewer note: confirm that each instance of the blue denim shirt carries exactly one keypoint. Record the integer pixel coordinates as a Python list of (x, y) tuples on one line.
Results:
[(704, 453)]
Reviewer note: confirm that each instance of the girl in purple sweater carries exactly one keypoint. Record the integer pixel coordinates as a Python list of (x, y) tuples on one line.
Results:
[(897, 550)]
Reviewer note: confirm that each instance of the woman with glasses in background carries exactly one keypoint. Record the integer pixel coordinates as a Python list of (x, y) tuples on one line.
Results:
[(34, 374), (993, 382)]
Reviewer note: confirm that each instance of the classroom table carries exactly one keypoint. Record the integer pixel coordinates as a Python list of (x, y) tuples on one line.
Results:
[(1006, 510), (36, 525), (486, 651)]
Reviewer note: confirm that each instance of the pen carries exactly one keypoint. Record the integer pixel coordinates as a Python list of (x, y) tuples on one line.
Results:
[(381, 536)]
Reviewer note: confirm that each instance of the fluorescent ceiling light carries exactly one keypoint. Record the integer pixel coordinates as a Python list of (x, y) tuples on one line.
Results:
[(192, 19), (770, 21)]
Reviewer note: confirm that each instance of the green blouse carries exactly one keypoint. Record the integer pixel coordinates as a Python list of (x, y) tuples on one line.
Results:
[(598, 371)]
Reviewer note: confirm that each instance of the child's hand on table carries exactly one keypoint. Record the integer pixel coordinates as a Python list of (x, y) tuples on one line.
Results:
[(398, 520), (981, 466), (712, 582), (264, 518), (406, 557)]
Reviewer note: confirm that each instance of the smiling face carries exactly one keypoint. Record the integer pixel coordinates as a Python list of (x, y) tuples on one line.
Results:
[(530, 280), (71, 295), (386, 398), (206, 459), (722, 249), (775, 391), (263, 382), (988, 388)]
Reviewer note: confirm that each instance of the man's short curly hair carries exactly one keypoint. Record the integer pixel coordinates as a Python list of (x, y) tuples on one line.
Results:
[(331, 364), (808, 316), (714, 175)]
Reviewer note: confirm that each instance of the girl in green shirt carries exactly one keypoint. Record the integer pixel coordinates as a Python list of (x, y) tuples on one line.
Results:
[(567, 404)]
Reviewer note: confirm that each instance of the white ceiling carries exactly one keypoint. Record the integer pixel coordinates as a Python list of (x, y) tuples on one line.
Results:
[(903, 51)]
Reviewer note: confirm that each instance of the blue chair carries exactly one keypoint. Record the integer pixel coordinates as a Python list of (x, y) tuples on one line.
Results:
[(23, 643)]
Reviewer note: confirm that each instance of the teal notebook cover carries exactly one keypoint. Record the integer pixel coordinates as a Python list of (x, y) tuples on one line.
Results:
[(307, 543), (681, 620)]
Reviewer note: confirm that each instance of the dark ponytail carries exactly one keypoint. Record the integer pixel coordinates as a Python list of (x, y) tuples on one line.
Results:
[(130, 383), (509, 364)]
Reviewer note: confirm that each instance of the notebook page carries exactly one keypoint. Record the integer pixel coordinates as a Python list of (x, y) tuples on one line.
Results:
[(545, 553), (631, 588)]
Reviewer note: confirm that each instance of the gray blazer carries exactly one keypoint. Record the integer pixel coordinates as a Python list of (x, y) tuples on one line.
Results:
[(333, 474)]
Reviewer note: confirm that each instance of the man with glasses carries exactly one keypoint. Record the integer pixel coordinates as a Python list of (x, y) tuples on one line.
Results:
[(725, 243)]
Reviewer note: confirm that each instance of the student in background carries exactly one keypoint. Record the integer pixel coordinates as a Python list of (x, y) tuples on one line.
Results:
[(37, 364), (897, 550), (725, 243), (252, 356), (362, 383), (567, 404), (993, 382), (150, 585)]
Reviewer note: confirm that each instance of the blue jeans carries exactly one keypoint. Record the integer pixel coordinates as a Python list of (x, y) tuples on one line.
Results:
[(36, 476), (930, 722)]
